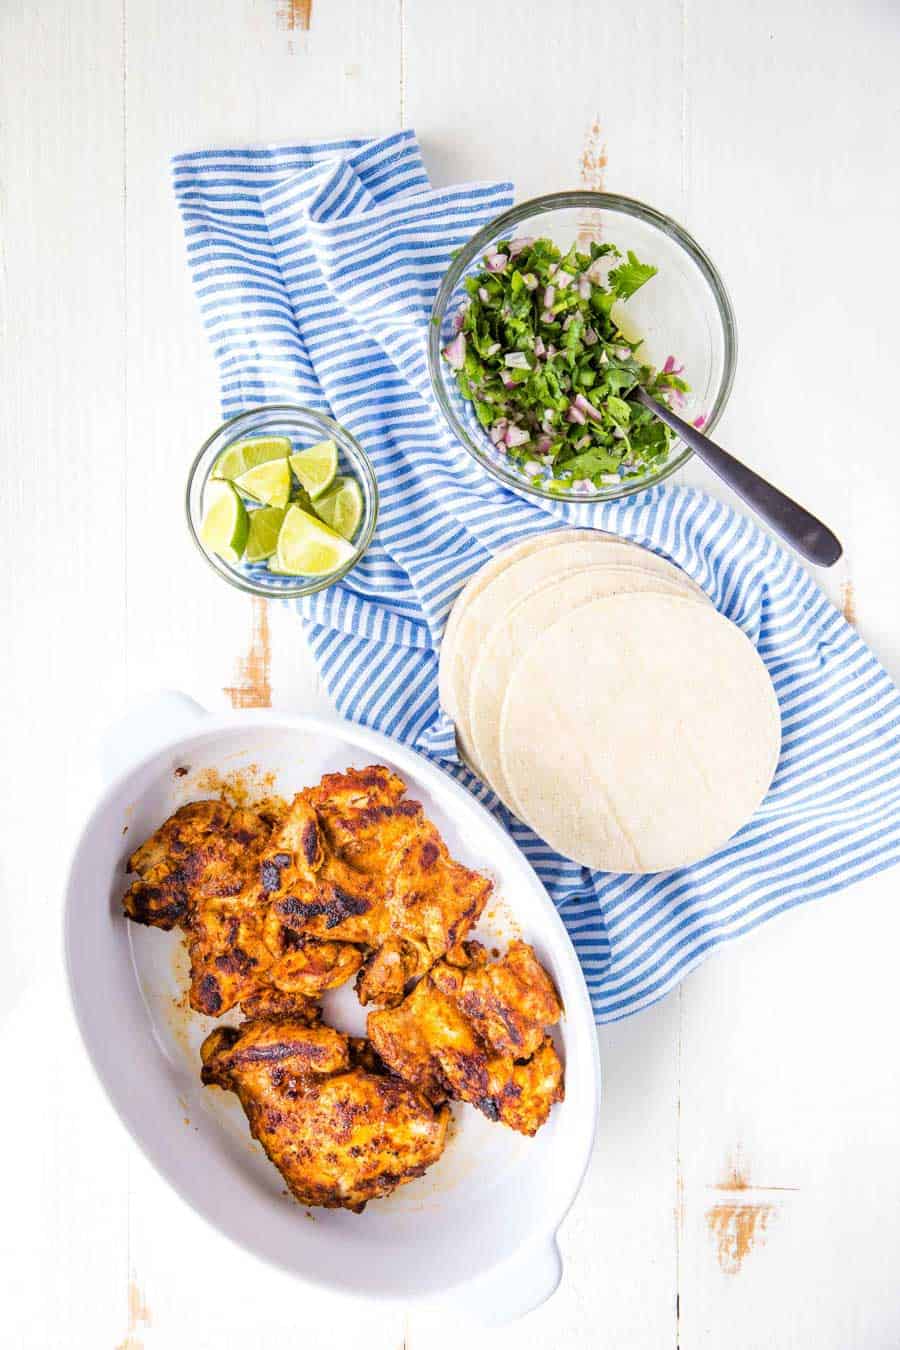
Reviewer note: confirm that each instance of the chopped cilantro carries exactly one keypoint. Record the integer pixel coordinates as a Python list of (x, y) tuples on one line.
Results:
[(630, 276), (549, 372)]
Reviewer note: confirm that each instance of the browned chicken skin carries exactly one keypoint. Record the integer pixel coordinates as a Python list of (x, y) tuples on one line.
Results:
[(206, 851), (478, 1034), (339, 1133), (354, 862), (203, 871)]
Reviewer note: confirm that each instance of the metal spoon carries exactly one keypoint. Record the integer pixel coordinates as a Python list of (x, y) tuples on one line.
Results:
[(793, 522)]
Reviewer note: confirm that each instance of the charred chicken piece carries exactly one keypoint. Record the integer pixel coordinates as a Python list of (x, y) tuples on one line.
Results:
[(206, 851), (354, 862), (432, 903), (509, 1002), (339, 1133), (478, 1034), (313, 891), (201, 872)]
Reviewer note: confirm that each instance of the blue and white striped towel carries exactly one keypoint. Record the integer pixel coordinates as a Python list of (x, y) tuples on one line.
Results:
[(315, 267)]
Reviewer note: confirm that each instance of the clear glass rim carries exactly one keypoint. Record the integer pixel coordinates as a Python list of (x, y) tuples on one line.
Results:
[(332, 430), (580, 199)]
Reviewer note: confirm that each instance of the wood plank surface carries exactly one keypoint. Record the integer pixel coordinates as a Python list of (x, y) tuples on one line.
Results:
[(744, 1189)]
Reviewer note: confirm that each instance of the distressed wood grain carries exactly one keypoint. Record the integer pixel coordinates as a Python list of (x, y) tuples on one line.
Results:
[(254, 686), (294, 14), (63, 522)]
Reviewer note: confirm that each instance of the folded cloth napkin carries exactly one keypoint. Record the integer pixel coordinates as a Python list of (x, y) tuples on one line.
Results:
[(315, 267)]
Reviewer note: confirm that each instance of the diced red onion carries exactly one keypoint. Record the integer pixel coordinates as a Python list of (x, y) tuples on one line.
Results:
[(574, 414), (498, 430), (582, 443), (493, 349), (532, 468), (567, 322), (552, 270), (530, 281), (551, 350), (582, 404), (519, 245), (543, 443), (590, 337), (455, 352), (584, 287), (547, 316), (671, 367), (516, 360), (583, 485), (563, 279), (619, 433), (496, 262), (539, 347), (484, 294), (700, 421), (515, 436), (595, 272), (549, 297), (459, 317), (623, 353), (507, 379)]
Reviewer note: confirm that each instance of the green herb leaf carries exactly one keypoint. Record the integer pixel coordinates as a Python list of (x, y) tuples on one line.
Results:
[(630, 276), (575, 348), (618, 410)]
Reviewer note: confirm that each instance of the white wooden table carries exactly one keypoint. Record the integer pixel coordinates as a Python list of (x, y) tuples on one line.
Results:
[(746, 1185)]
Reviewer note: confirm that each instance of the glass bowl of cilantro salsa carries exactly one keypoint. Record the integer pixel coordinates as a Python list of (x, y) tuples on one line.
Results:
[(547, 322)]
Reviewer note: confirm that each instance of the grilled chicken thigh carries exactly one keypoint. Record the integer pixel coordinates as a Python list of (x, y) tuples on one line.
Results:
[(202, 871), (354, 862), (206, 852), (477, 1033), (339, 1133)]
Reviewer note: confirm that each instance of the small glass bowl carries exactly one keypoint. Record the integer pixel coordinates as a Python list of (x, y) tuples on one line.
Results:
[(684, 311), (303, 428)]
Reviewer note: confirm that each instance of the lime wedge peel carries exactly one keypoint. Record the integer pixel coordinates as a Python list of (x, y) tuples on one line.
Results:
[(269, 483), (316, 467), (225, 524), (307, 547), (244, 455), (341, 506), (262, 540)]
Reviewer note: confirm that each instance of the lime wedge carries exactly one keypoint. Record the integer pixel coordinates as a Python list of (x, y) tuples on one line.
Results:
[(225, 525), (308, 548), (263, 537), (316, 467), (244, 455), (341, 506), (268, 483)]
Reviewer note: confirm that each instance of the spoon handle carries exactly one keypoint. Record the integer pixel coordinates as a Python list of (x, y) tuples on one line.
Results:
[(793, 522)]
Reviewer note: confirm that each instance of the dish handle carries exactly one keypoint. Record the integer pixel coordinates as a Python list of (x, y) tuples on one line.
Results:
[(520, 1286), (144, 727)]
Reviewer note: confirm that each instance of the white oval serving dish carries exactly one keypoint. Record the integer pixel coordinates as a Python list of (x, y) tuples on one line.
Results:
[(480, 1227)]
